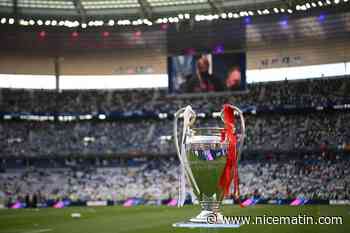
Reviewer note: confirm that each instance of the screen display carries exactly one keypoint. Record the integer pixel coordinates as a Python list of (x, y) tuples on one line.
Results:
[(207, 73)]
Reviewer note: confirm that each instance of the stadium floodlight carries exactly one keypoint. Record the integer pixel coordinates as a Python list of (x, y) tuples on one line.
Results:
[(259, 12), (266, 11), (276, 10), (54, 22), (11, 20), (7, 117), (95, 23), (320, 3), (187, 16), (251, 13), (224, 15), (162, 115), (313, 4), (336, 1), (67, 23), (216, 114), (181, 16), (328, 2), (290, 11), (127, 22), (201, 115), (111, 22), (39, 22), (31, 22), (102, 116), (307, 5), (87, 139), (23, 22), (83, 25), (3, 20), (235, 15)]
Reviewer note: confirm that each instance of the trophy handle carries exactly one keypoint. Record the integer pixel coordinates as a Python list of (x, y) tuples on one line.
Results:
[(242, 137), (189, 119)]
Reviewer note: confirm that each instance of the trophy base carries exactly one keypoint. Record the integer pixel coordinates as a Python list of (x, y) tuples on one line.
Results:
[(207, 216), (206, 219), (204, 225)]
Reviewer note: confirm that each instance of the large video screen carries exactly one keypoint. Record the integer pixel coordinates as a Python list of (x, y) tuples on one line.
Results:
[(207, 73)]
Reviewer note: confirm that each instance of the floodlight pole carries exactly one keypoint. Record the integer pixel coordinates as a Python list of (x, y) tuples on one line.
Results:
[(57, 73), (146, 9), (80, 10), (15, 9), (215, 5)]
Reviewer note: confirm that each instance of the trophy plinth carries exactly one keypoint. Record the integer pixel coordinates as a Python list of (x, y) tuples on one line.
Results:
[(208, 226)]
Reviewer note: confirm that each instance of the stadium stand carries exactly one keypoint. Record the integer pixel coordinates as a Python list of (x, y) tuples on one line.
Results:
[(309, 177), (310, 92), (284, 132), (310, 144)]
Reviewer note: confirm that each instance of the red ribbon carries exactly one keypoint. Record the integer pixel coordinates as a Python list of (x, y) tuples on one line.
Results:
[(230, 172)]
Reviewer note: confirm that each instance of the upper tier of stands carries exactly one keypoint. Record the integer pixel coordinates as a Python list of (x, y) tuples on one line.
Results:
[(311, 92)]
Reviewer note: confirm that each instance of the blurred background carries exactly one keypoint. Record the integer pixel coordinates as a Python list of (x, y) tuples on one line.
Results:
[(89, 88)]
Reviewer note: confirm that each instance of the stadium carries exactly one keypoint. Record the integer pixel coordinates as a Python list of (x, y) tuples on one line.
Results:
[(96, 94)]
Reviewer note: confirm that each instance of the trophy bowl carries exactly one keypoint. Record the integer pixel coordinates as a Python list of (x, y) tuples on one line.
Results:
[(206, 156)]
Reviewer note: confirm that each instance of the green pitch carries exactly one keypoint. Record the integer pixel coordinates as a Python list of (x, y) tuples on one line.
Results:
[(150, 219)]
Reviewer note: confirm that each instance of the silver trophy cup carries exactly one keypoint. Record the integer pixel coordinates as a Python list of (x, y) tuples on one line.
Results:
[(202, 154)]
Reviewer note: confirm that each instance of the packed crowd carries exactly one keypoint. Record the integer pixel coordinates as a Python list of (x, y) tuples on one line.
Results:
[(313, 92), (281, 132), (312, 177), (151, 180)]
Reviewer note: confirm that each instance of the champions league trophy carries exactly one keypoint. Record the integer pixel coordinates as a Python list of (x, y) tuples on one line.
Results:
[(209, 162)]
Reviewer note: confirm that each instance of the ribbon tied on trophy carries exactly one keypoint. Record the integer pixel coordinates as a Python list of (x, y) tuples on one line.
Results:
[(230, 173)]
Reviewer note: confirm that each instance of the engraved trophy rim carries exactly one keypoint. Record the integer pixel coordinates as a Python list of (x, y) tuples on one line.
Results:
[(209, 135)]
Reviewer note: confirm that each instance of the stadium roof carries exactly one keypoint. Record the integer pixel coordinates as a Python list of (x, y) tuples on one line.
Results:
[(131, 8)]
